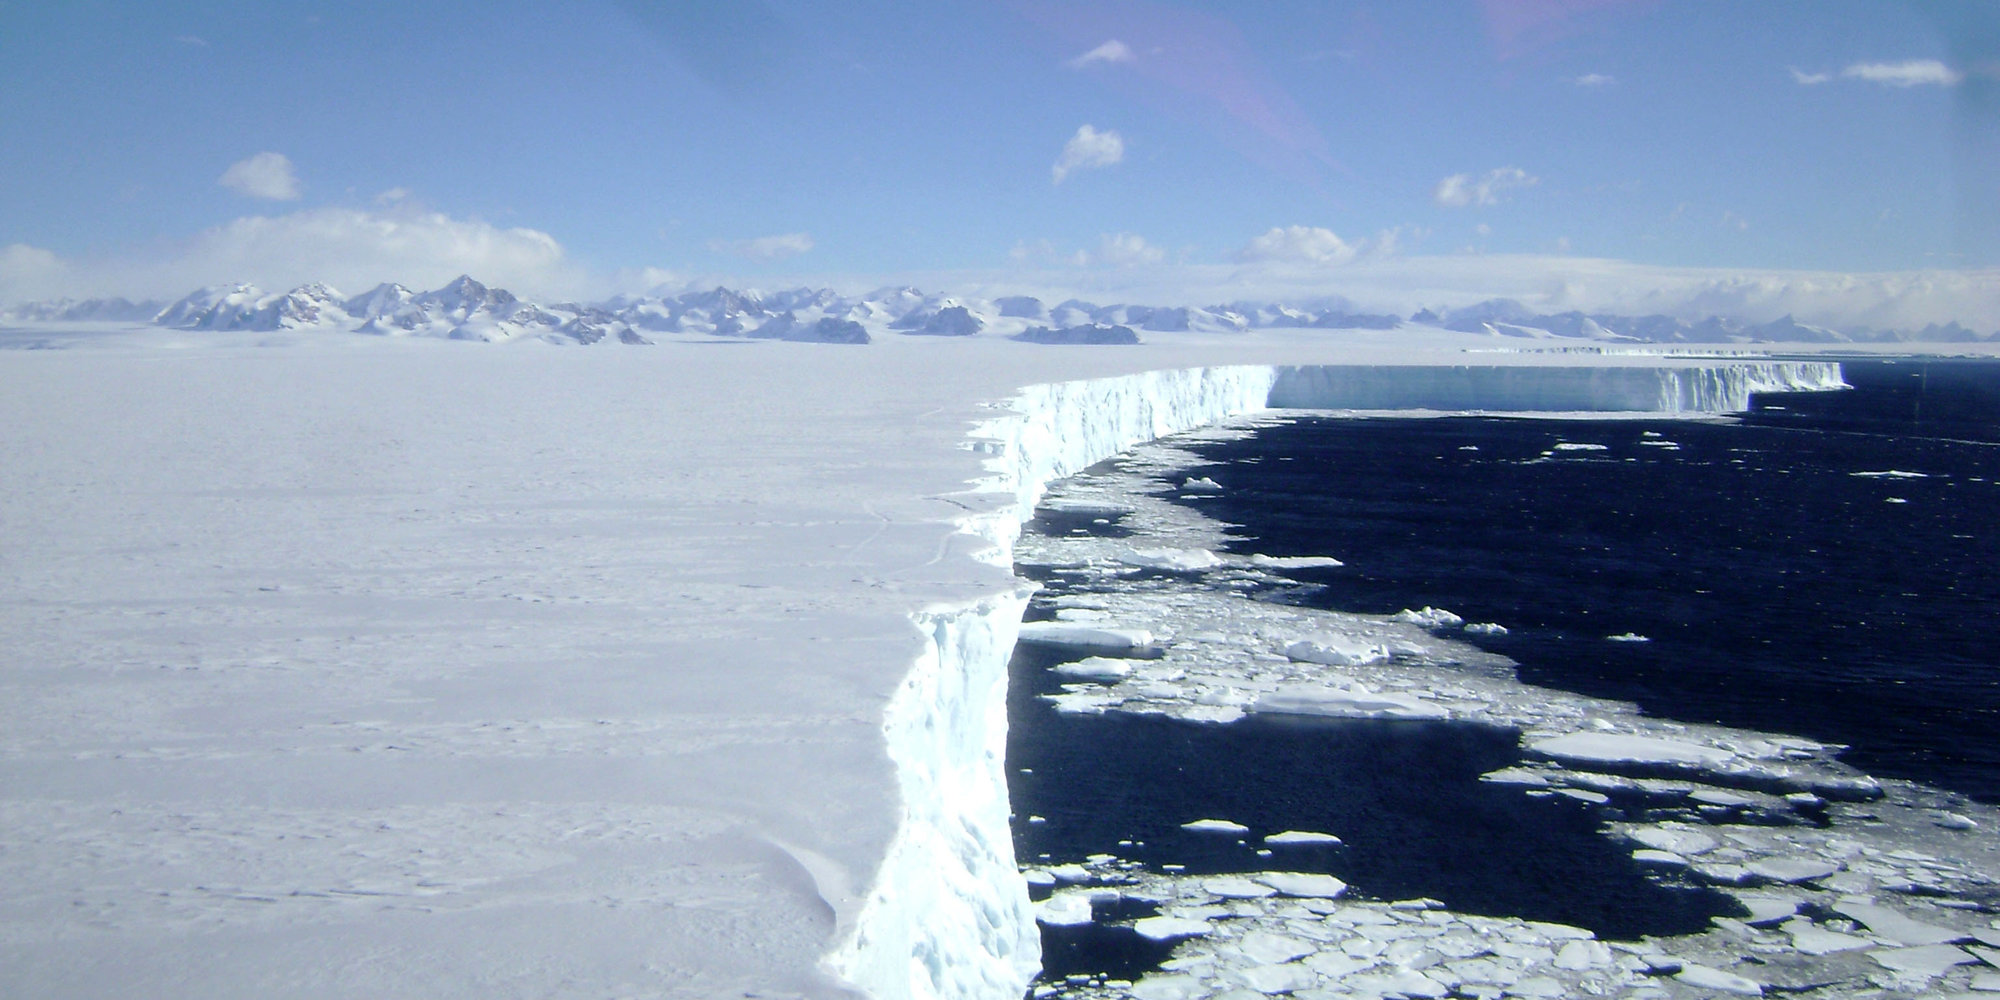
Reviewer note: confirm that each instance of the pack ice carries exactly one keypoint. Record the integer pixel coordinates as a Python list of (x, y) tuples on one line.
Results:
[(404, 667)]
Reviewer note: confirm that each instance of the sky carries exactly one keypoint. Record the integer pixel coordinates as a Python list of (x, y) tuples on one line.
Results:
[(1394, 151)]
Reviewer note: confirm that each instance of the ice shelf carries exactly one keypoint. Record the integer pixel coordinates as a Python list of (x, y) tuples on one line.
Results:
[(404, 669)]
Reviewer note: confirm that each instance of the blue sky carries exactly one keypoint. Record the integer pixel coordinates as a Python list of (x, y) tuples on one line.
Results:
[(610, 145)]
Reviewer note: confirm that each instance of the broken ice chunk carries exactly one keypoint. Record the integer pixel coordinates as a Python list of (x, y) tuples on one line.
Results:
[(1084, 636), (1215, 826), (1101, 668), (1168, 928), (1180, 560), (1430, 617), (1303, 884), (1294, 562), (1298, 837), (1613, 748), (1345, 703), (1336, 650)]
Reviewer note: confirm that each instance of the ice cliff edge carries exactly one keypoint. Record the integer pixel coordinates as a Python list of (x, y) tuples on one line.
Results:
[(948, 914)]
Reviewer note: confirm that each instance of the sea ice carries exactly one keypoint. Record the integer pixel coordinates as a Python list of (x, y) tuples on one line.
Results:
[(1082, 636), (1893, 925), (1168, 928), (1616, 748), (1096, 668), (1304, 884), (1929, 960), (1215, 826), (1065, 909), (1294, 562), (1178, 560), (1704, 977), (1348, 703), (1430, 617), (1337, 650), (1300, 837)]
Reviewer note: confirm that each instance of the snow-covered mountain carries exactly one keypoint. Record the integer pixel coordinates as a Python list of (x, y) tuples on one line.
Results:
[(465, 309)]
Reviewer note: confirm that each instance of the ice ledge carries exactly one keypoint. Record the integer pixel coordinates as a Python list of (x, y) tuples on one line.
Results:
[(948, 915)]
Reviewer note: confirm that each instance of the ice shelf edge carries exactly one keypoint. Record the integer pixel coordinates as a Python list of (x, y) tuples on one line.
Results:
[(948, 914)]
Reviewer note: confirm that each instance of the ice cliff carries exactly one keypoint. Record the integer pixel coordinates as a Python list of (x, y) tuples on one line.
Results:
[(948, 914)]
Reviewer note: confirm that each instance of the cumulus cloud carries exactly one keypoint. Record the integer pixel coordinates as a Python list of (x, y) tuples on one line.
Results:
[(1909, 73), (1113, 51), (347, 248), (1089, 149), (765, 248), (1299, 245), (1595, 80), (1127, 250), (1460, 190), (266, 175)]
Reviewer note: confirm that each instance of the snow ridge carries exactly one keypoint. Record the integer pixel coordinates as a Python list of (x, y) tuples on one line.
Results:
[(948, 914)]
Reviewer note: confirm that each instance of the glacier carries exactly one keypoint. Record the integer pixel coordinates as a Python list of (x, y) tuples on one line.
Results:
[(401, 666)]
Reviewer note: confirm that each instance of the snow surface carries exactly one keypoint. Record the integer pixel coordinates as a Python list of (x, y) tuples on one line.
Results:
[(404, 667)]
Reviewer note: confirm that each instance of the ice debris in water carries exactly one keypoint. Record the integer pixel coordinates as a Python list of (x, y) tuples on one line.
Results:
[(1096, 668), (1294, 562), (1337, 649), (1084, 636), (1215, 826), (1293, 838), (1837, 901), (1628, 637), (1356, 702), (1202, 484), (1178, 560), (1430, 617)]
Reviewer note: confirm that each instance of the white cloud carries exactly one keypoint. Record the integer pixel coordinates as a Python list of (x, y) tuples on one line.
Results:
[(392, 196), (1299, 245), (1089, 149), (1595, 80), (765, 247), (1460, 190), (195, 40), (1806, 79), (266, 175), (1909, 73), (1113, 51), (1127, 250), (347, 248), (28, 273)]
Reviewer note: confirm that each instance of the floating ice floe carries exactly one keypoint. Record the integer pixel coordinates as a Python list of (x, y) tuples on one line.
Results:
[(1430, 617), (1177, 560), (1202, 484), (1082, 636), (1628, 637), (1215, 826), (1356, 702), (1297, 838), (1890, 474), (1294, 562), (1618, 748), (1337, 650), (1096, 668), (1486, 628), (1579, 446), (1065, 909)]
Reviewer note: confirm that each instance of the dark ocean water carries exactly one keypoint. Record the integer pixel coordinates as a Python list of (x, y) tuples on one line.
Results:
[(1785, 584)]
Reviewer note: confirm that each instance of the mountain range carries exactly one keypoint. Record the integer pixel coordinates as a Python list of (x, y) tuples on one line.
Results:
[(468, 310)]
